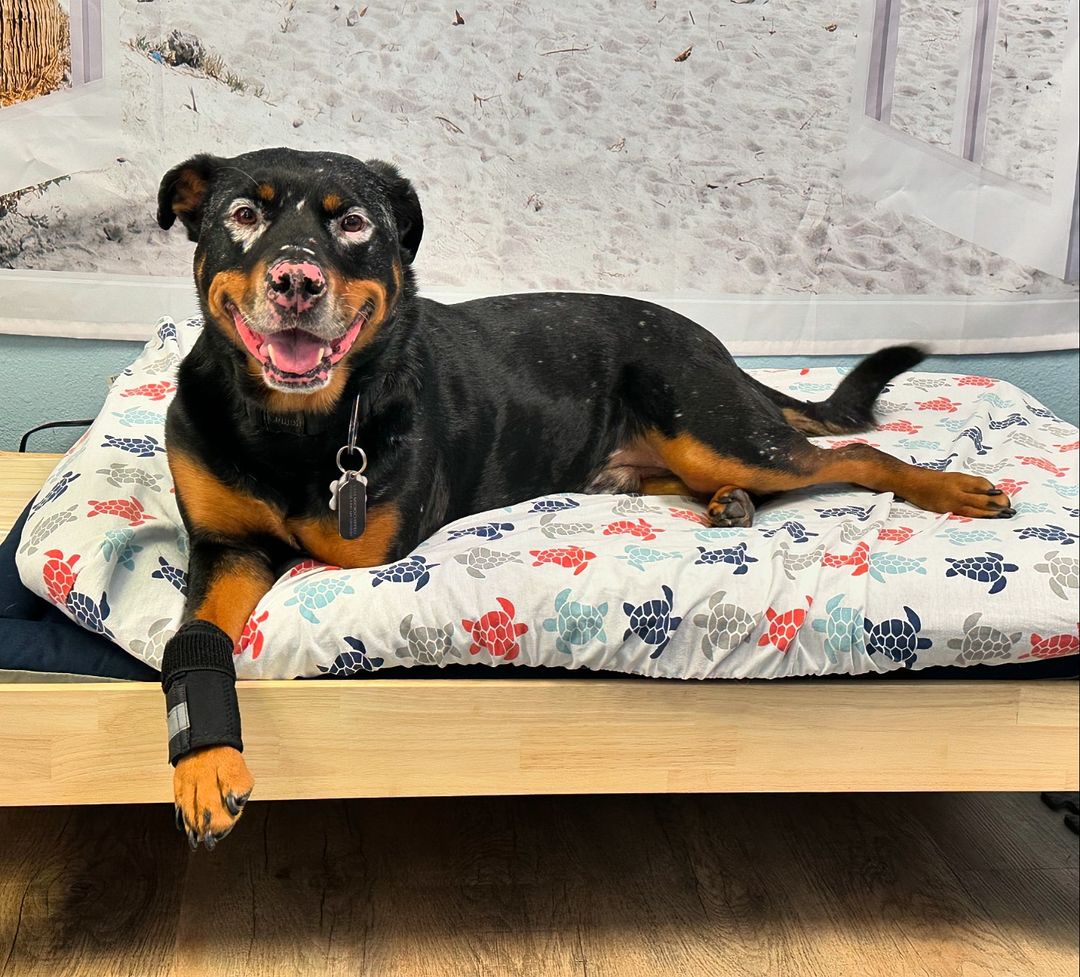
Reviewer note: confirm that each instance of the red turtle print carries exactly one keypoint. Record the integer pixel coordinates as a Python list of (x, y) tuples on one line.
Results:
[(895, 534), (252, 636), (903, 427), (563, 556), (942, 404), (1010, 486), (304, 565), (1071, 446), (690, 516), (783, 627), (1054, 646), (130, 509), (59, 575), (151, 391), (626, 527), (1046, 466), (847, 442), (496, 632), (975, 382), (857, 558)]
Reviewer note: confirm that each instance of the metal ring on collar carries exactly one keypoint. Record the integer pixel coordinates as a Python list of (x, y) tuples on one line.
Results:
[(350, 449)]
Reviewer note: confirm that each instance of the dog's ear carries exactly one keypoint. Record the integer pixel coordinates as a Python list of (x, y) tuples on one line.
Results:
[(405, 204), (183, 192)]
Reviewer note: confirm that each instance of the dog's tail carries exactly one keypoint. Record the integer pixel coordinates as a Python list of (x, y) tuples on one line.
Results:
[(850, 409)]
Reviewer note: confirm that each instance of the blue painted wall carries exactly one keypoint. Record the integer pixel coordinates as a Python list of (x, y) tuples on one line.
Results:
[(54, 379)]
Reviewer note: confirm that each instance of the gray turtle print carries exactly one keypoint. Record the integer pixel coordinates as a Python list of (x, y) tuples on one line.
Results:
[(424, 645), (981, 643), (726, 625), (1064, 573), (481, 559), (52, 522)]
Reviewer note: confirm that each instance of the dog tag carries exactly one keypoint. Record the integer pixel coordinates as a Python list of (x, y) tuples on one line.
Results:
[(349, 498)]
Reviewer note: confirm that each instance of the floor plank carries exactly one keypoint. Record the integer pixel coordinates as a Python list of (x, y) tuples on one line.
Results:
[(613, 886)]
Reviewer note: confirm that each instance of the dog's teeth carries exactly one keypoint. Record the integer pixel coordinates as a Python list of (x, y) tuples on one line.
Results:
[(270, 353), (324, 352)]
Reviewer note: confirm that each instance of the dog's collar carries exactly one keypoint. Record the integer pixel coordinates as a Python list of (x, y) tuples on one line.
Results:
[(298, 423)]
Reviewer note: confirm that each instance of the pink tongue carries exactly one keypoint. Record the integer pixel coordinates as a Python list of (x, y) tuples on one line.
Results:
[(296, 351)]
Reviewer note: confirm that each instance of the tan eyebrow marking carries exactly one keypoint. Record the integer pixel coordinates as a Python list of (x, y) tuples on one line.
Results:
[(331, 202), (266, 192)]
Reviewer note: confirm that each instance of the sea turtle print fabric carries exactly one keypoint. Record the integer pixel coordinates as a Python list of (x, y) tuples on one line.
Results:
[(829, 581)]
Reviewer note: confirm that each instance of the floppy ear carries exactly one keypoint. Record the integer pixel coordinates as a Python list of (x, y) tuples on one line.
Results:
[(406, 207), (183, 192)]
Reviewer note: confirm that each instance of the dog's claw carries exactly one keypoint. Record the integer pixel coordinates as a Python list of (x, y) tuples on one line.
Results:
[(192, 839)]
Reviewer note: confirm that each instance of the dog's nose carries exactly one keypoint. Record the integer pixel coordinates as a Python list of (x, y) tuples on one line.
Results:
[(295, 286)]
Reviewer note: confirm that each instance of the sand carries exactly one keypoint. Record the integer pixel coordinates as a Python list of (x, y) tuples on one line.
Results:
[(562, 146)]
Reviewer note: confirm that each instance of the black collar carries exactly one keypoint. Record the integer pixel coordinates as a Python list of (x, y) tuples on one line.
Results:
[(298, 423)]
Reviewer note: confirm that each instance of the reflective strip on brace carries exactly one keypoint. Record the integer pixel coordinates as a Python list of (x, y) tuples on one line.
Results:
[(199, 680)]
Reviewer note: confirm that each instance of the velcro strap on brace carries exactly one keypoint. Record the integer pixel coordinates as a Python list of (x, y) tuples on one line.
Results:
[(199, 680)]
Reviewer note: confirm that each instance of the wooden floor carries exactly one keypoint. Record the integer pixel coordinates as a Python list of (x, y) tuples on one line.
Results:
[(656, 886)]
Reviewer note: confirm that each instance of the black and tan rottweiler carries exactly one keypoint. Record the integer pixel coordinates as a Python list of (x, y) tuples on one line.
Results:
[(303, 270)]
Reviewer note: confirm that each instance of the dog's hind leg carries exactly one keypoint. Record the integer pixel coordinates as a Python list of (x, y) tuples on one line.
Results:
[(792, 462)]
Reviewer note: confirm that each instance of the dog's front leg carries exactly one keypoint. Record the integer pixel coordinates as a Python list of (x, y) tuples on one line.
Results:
[(211, 782)]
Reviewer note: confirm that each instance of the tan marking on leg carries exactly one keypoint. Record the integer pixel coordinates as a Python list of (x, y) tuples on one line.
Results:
[(320, 538), (234, 591), (705, 470), (218, 509), (666, 485)]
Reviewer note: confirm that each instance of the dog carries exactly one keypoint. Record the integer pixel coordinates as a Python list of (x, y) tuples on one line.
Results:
[(318, 358)]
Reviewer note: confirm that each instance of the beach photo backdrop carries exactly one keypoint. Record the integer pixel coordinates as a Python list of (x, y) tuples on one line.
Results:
[(708, 155)]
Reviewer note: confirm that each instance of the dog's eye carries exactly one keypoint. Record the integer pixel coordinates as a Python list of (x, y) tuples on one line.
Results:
[(245, 216), (353, 223)]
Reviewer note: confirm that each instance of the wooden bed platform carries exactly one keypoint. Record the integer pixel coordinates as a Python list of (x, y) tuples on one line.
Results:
[(104, 742)]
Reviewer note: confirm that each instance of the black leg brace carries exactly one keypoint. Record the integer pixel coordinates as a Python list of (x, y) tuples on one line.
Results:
[(199, 680)]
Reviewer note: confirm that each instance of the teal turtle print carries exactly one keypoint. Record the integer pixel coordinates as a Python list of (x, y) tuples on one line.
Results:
[(652, 621), (726, 625), (897, 639), (893, 564), (316, 593), (576, 623), (981, 643), (425, 645), (640, 556), (480, 559), (962, 536), (843, 629), (118, 543), (134, 416), (990, 569), (412, 568)]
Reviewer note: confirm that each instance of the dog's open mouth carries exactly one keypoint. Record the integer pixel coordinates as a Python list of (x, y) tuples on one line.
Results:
[(295, 358)]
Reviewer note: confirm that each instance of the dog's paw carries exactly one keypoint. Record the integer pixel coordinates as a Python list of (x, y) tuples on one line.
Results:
[(731, 507), (210, 788)]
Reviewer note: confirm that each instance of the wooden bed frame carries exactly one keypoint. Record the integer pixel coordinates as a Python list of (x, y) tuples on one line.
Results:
[(104, 742)]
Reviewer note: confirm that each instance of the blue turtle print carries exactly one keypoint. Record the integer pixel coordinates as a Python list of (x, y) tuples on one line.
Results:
[(1013, 419), (553, 505), (1051, 534), (118, 543), (134, 416), (175, 576), (862, 513), (491, 530), (90, 615), (144, 447), (936, 465), (59, 487), (736, 556), (897, 639), (1042, 412), (412, 568), (652, 621), (796, 530), (165, 332), (1074, 513), (976, 436), (990, 569), (353, 662)]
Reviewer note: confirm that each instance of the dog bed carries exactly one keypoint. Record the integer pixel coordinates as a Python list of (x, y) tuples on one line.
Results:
[(840, 581)]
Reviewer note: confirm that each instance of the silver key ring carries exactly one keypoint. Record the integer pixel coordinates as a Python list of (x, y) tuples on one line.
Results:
[(350, 449)]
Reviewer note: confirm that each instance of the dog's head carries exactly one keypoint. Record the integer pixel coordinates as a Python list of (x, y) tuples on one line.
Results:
[(300, 257)]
